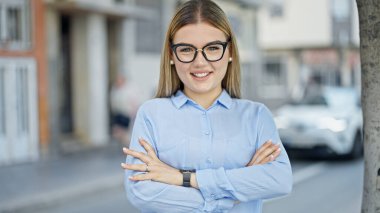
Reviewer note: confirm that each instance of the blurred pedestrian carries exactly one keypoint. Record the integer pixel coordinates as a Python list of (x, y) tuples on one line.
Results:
[(125, 101), (198, 147)]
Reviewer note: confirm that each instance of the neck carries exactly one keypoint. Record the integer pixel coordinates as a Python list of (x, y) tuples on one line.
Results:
[(204, 99)]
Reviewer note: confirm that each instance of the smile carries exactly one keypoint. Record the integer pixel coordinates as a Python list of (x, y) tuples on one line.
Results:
[(200, 75)]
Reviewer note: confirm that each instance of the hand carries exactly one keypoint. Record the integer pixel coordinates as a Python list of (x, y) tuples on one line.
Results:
[(266, 153), (154, 168)]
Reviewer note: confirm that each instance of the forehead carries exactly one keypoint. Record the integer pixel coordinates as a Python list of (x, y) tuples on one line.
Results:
[(198, 34)]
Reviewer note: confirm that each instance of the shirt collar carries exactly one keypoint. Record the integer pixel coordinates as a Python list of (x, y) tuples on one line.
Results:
[(179, 99), (225, 99)]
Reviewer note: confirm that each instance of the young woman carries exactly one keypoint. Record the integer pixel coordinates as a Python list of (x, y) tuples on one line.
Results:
[(198, 147)]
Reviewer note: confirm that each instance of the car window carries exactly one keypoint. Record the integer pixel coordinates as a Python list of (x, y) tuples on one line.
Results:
[(340, 98)]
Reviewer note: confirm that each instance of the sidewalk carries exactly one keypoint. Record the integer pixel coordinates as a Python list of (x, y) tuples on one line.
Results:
[(47, 182)]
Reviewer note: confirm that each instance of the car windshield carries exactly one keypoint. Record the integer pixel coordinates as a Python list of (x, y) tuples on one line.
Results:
[(333, 97)]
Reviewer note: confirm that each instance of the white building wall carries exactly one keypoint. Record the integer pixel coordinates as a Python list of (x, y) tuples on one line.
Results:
[(304, 23), (90, 78), (97, 79), (80, 78)]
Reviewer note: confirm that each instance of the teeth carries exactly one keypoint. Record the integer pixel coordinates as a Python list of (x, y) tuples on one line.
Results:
[(200, 75)]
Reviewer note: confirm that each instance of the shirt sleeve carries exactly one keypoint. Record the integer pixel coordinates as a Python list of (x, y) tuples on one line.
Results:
[(150, 196), (254, 182)]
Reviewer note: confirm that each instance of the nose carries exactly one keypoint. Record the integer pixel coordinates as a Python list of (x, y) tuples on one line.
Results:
[(200, 58)]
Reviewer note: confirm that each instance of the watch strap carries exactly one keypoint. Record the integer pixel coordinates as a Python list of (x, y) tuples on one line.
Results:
[(186, 177)]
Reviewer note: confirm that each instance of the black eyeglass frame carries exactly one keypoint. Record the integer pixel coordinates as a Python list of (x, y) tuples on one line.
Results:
[(224, 44)]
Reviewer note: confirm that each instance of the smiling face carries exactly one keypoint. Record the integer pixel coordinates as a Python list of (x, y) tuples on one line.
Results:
[(201, 77)]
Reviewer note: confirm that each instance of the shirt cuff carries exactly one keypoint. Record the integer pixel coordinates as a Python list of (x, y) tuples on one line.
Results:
[(213, 184), (218, 206)]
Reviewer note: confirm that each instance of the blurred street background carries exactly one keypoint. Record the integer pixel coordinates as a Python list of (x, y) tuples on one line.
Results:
[(68, 66)]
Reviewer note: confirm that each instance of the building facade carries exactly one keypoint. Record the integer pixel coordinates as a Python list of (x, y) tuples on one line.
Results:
[(23, 94), (305, 40), (88, 44)]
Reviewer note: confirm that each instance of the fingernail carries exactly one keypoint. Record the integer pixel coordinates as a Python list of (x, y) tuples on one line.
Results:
[(278, 150), (122, 164), (130, 177), (125, 149)]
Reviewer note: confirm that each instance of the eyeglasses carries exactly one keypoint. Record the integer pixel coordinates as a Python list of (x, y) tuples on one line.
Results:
[(212, 52)]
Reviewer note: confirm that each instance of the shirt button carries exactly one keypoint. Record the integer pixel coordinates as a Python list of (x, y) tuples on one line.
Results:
[(207, 133), (209, 160)]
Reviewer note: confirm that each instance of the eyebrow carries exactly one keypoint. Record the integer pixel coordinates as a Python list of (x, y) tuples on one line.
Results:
[(212, 42)]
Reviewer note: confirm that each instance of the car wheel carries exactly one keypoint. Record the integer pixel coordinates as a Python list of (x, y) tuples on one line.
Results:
[(357, 147)]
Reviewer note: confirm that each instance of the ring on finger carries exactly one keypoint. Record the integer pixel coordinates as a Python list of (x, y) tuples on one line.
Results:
[(146, 168)]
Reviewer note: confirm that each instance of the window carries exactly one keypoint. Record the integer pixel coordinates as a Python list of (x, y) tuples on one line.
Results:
[(150, 32), (273, 81), (22, 99), (276, 8), (14, 24), (274, 73)]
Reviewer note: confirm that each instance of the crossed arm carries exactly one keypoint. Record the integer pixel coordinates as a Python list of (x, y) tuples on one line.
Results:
[(154, 185), (156, 170)]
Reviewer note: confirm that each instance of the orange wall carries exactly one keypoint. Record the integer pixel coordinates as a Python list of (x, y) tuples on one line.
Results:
[(42, 76)]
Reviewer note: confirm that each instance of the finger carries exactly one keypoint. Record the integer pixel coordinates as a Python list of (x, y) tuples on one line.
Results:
[(140, 155), (265, 153), (261, 149), (135, 167), (140, 177), (149, 149), (271, 157)]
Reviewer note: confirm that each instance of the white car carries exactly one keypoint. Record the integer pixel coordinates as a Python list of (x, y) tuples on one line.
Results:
[(330, 120)]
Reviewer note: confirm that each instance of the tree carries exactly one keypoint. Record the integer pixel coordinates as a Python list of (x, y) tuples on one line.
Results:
[(369, 24)]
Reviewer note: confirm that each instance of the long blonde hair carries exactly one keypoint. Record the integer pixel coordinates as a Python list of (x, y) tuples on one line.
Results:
[(191, 12)]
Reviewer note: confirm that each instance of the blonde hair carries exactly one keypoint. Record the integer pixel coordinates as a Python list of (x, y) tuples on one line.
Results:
[(191, 12)]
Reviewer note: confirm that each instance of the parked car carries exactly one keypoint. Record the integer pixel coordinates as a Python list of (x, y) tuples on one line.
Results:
[(329, 120)]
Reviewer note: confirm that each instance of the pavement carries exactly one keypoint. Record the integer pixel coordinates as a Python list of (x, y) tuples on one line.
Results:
[(46, 182)]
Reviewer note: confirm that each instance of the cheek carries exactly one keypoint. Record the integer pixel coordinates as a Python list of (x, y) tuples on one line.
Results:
[(222, 67), (181, 70)]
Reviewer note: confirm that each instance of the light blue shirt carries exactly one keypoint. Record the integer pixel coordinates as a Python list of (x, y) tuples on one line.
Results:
[(218, 142)]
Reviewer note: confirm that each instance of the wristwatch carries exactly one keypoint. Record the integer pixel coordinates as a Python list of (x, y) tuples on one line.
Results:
[(186, 177)]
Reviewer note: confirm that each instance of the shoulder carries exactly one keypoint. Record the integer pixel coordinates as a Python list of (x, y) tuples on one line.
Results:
[(249, 105), (154, 105)]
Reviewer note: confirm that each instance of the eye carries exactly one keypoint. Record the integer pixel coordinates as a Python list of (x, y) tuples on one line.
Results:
[(214, 47), (185, 49)]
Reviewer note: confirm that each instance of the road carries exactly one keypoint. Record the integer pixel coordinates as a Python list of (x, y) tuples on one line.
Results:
[(319, 187)]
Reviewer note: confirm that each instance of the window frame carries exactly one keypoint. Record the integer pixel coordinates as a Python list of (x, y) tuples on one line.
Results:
[(23, 25)]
